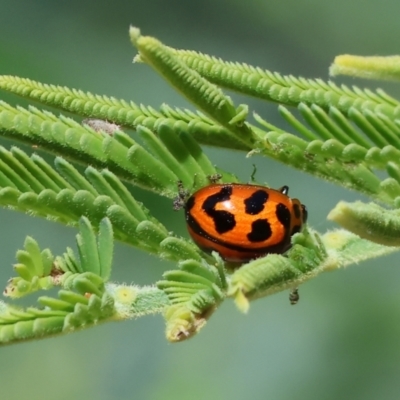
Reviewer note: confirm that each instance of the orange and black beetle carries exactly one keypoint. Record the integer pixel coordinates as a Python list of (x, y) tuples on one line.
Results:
[(242, 221)]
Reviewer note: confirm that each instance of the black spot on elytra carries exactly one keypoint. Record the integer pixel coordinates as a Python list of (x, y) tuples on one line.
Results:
[(255, 203), (260, 231), (224, 221), (211, 201), (296, 210), (283, 215)]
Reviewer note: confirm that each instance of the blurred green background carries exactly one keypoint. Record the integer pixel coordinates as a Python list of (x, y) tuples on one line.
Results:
[(342, 341)]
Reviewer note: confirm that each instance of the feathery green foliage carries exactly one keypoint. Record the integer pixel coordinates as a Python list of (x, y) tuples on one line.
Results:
[(348, 136)]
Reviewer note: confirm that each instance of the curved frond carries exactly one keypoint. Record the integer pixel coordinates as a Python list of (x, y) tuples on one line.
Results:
[(309, 256), (70, 195), (285, 89), (208, 97), (194, 292), (118, 111), (382, 68)]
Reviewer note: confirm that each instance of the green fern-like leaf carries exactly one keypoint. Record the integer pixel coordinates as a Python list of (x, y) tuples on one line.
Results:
[(194, 292), (287, 90), (387, 68), (208, 97)]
